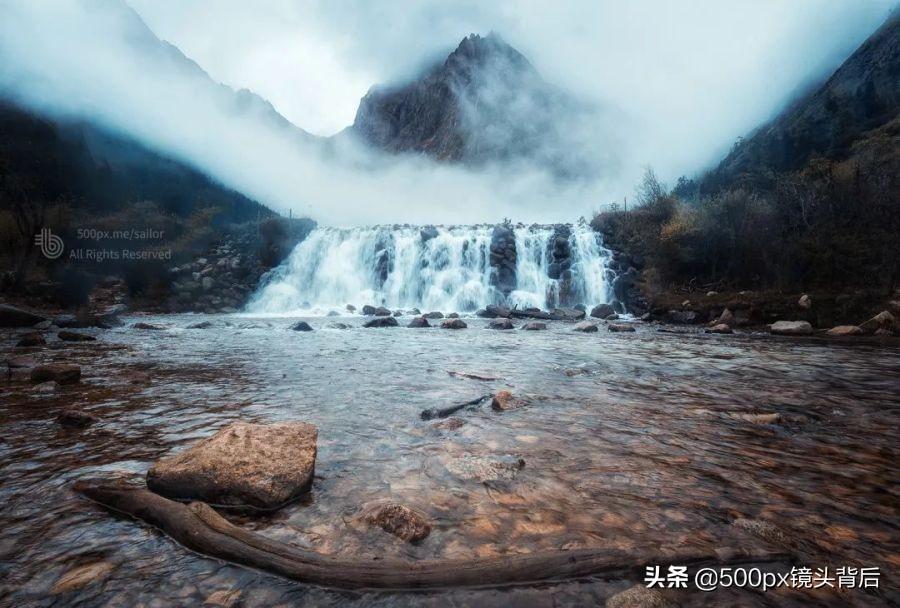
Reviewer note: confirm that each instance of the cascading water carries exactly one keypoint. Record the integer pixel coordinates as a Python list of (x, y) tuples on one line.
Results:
[(448, 269)]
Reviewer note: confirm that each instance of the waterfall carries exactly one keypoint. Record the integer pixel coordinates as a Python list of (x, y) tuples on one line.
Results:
[(435, 268)]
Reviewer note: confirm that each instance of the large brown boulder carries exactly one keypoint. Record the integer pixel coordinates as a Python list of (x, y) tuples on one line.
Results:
[(62, 373), (601, 311), (502, 323), (260, 466), (10, 316), (381, 322), (586, 327), (419, 322), (845, 330)]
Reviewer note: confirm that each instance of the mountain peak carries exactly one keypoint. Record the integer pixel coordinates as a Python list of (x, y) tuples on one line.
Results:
[(484, 103)]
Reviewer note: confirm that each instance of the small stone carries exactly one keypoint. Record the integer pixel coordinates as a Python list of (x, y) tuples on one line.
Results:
[(501, 324), (805, 302), (10, 316), (710, 294), (602, 311), (350, 308), (585, 326), (419, 322), (503, 401), (768, 418), (791, 328), (453, 323), (845, 330), (76, 418), (620, 327), (434, 315), (147, 326), (399, 520), (534, 326), (301, 326), (485, 468), (381, 322), (200, 325), (720, 328), (339, 326)]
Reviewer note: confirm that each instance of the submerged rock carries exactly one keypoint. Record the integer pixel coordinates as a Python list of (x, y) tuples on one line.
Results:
[(602, 311), (399, 520), (419, 322), (76, 419), (449, 424), (620, 327), (503, 401), (74, 336), (62, 373), (82, 576), (149, 326), (586, 327), (845, 330), (684, 317), (381, 322), (791, 328), (454, 323), (200, 325), (301, 326), (639, 596), (261, 466), (501, 324), (10, 316), (339, 326), (31, 339), (485, 468), (534, 326)]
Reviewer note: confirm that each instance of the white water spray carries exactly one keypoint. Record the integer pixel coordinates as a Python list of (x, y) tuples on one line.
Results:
[(446, 269)]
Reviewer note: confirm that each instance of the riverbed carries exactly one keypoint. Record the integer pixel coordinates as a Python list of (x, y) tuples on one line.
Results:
[(643, 442)]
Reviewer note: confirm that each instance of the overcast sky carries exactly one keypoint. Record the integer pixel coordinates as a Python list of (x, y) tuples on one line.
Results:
[(678, 82)]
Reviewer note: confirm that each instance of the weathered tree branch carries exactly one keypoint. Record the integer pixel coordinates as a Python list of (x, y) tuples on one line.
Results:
[(199, 528)]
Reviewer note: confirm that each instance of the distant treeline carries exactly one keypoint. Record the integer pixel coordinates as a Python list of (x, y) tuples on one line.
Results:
[(832, 224)]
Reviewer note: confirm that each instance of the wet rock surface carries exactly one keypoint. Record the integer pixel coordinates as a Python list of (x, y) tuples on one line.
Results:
[(501, 324), (74, 336), (585, 327), (301, 326), (485, 468), (534, 326), (419, 322), (76, 418), (381, 322), (31, 339), (262, 466), (455, 323), (504, 400), (403, 522), (791, 328)]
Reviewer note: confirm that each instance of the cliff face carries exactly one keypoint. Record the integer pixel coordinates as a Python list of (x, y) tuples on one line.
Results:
[(863, 94), (484, 103)]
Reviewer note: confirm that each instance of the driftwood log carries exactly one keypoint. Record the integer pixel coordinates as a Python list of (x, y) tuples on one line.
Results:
[(199, 528), (431, 414)]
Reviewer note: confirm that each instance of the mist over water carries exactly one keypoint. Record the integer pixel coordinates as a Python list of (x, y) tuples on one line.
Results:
[(445, 268)]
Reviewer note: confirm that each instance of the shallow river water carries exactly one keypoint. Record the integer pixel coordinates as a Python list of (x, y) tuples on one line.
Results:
[(631, 441)]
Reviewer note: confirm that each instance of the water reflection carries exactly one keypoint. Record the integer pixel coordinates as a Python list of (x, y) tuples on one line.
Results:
[(636, 441)]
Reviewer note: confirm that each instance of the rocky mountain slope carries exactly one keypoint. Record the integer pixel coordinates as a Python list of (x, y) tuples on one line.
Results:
[(863, 94), (485, 103)]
